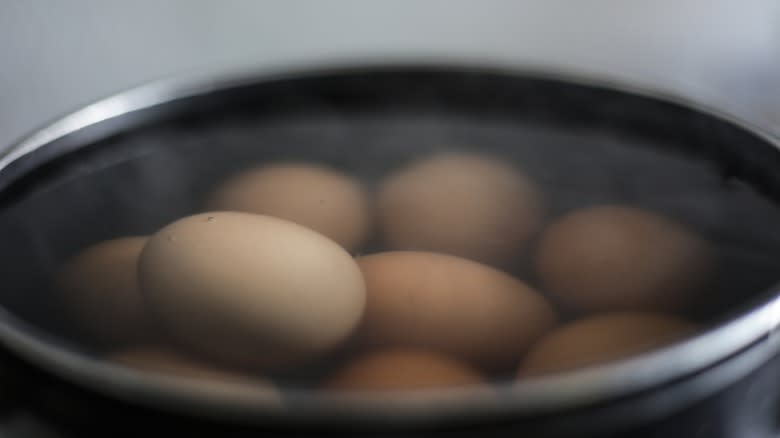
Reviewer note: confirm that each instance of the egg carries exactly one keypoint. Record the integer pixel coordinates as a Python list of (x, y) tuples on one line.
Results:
[(600, 339), (166, 361), (402, 370), (251, 290), (449, 304), (323, 199), (467, 205), (622, 258), (98, 290)]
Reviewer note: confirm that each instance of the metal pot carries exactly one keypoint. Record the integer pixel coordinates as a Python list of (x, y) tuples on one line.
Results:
[(81, 178)]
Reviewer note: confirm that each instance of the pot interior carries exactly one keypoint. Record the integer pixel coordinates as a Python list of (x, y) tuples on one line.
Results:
[(583, 145)]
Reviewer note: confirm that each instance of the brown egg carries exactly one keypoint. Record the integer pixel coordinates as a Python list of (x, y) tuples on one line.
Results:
[(449, 304), (622, 258), (600, 339), (402, 370), (461, 204), (251, 290), (314, 196), (98, 289), (164, 360)]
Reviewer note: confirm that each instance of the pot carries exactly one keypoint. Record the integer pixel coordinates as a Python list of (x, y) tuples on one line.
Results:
[(83, 178)]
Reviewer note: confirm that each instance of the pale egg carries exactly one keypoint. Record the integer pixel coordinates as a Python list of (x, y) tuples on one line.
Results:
[(249, 290)]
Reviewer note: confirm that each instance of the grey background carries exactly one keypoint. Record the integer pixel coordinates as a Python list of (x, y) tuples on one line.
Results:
[(56, 55)]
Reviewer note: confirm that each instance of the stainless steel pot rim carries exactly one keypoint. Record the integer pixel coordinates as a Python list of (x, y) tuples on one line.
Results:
[(569, 390)]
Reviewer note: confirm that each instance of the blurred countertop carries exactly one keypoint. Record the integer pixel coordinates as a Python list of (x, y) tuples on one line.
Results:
[(56, 56)]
